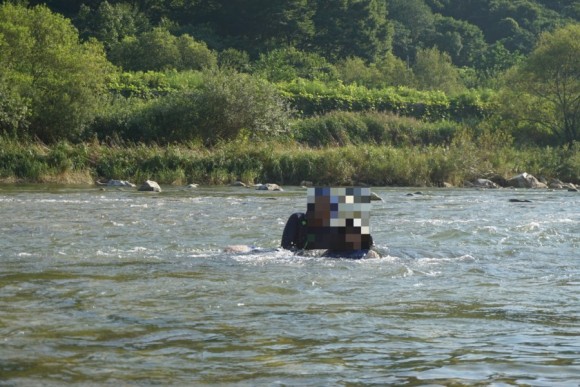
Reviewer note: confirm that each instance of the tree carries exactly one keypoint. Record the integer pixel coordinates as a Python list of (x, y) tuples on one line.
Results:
[(14, 110), (463, 41), (434, 71), (260, 25), (387, 71), (346, 28), (194, 55), (354, 70), (413, 21), (495, 60), (394, 71), (42, 60), (544, 91), (111, 23), (67, 8), (159, 50), (233, 59)]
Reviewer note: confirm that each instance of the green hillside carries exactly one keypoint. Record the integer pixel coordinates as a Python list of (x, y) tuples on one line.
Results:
[(311, 73)]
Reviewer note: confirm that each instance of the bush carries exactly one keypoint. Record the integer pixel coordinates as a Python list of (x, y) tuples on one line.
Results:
[(337, 128), (389, 71), (315, 97), (286, 64), (352, 128), (144, 85), (434, 71), (233, 59), (232, 104), (222, 106)]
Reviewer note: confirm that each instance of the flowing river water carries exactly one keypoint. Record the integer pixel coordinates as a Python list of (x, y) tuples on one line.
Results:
[(119, 287)]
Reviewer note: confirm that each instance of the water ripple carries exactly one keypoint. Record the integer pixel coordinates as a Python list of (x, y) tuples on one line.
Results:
[(115, 287)]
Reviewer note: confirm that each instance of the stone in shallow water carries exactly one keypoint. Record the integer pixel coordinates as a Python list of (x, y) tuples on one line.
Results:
[(269, 187), (150, 186), (238, 249)]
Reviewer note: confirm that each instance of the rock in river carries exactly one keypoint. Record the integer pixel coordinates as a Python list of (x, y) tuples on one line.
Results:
[(150, 186)]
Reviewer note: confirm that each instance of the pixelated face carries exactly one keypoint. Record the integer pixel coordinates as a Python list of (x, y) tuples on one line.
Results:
[(339, 218)]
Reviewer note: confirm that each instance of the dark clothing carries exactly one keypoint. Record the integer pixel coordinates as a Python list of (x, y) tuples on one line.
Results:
[(295, 238), (351, 254)]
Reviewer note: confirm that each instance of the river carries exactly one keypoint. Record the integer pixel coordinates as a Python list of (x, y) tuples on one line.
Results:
[(119, 287)]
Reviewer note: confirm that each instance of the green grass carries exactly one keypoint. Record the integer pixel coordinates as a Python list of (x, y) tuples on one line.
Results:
[(466, 158)]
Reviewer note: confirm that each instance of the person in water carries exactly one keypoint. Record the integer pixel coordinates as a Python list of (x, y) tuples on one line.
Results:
[(336, 220)]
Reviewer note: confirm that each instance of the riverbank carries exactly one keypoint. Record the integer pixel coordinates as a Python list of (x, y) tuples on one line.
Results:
[(285, 163)]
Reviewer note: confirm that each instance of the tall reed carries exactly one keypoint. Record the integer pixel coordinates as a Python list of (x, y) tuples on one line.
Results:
[(467, 157)]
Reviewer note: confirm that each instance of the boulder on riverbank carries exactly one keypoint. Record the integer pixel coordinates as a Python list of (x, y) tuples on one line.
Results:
[(558, 184), (150, 186), (525, 180)]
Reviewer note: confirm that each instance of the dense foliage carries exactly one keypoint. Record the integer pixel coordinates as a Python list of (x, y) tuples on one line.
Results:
[(54, 84), (546, 92), (402, 73)]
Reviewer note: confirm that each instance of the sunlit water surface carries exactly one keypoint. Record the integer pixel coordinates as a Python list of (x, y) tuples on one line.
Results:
[(121, 287)]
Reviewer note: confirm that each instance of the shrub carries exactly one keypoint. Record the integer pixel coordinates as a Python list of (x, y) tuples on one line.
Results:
[(233, 59), (344, 128), (232, 104), (389, 71), (315, 97), (286, 64), (144, 85), (218, 106)]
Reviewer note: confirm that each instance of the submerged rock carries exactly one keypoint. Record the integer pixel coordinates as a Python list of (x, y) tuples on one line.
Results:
[(118, 183), (150, 186), (375, 197), (372, 254), (269, 187), (237, 249), (482, 183)]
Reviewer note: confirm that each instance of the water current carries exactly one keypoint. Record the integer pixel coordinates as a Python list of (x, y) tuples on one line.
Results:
[(119, 287)]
